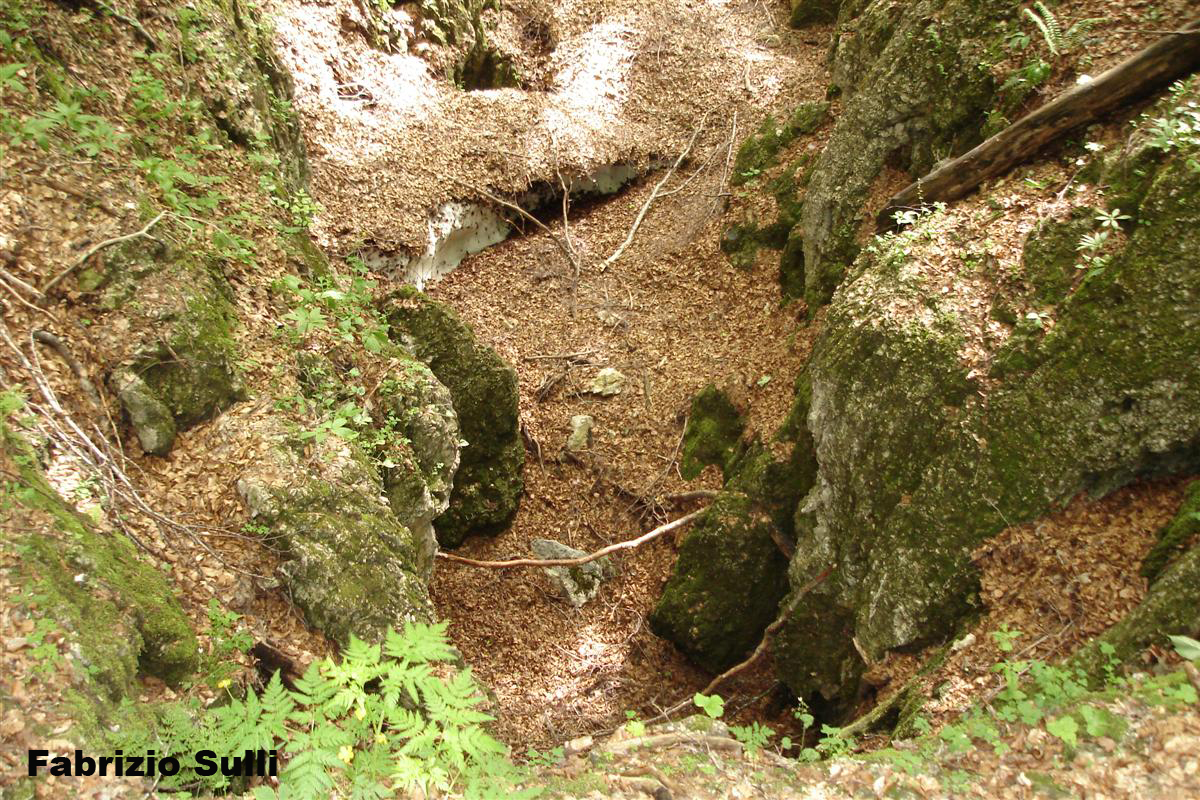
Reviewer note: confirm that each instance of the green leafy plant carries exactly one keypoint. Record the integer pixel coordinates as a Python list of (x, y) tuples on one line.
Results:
[(634, 726), (1111, 219), (754, 736), (1187, 647), (9, 82), (1059, 41), (344, 424), (384, 721), (834, 742), (712, 705)]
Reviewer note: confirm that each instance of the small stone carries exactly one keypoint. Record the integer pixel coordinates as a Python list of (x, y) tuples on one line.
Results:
[(607, 382), (579, 745), (578, 584), (581, 433), (963, 643), (15, 643)]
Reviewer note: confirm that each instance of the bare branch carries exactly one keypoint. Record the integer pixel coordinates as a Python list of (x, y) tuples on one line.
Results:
[(574, 562), (566, 250), (637, 222), (97, 248)]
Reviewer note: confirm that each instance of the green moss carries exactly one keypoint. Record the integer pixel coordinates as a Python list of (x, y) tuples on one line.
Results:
[(917, 469), (193, 372), (791, 267), (713, 432), (1176, 536), (1051, 253), (483, 388), (731, 572), (726, 585), (119, 610), (1171, 607), (740, 243), (758, 152)]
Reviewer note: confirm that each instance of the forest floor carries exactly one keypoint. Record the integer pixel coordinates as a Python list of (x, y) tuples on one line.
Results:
[(671, 314), (642, 83), (628, 81)]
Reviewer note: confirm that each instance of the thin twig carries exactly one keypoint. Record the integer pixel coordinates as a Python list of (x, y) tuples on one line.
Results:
[(142, 33), (637, 222), (514, 207), (574, 562), (64, 352), (4, 283), (100, 246)]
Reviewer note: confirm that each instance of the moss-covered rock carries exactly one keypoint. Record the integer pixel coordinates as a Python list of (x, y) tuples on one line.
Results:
[(412, 436), (714, 430), (759, 151), (351, 567), (917, 84), (919, 462), (119, 613), (1176, 537), (243, 86), (731, 572), (488, 485), (152, 421), (726, 585), (1051, 253), (183, 358)]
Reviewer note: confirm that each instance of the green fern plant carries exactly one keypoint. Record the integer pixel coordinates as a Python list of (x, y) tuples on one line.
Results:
[(1059, 40), (385, 721)]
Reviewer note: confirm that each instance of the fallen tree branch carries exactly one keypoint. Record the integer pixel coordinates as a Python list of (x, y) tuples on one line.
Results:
[(1169, 58), (637, 222), (59, 346), (150, 42), (667, 739), (574, 562), (97, 248)]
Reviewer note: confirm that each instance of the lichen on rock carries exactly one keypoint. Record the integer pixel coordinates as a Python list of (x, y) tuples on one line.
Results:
[(351, 567)]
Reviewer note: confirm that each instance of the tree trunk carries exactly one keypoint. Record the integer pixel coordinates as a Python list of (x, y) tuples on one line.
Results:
[(1168, 59)]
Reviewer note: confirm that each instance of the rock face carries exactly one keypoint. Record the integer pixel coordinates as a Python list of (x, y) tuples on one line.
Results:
[(926, 448), (118, 612), (483, 388), (412, 438), (917, 88)]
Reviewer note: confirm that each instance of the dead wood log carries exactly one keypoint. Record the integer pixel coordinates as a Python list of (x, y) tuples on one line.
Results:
[(272, 659), (1168, 59)]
